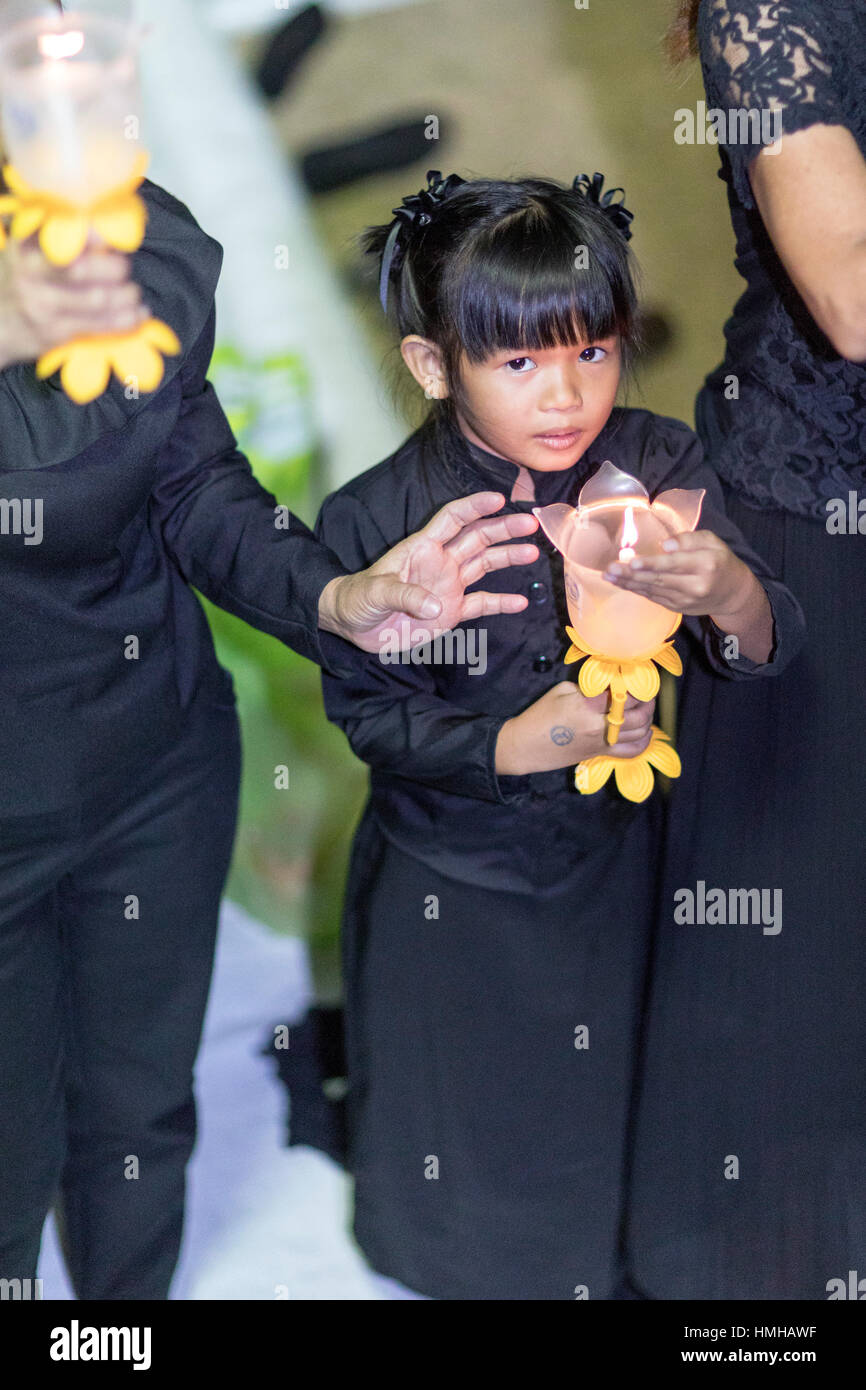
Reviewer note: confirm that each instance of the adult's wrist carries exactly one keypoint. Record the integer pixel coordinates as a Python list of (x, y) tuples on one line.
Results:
[(329, 606)]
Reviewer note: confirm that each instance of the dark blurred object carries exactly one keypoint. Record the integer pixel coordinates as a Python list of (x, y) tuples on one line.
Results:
[(380, 150), (656, 331), (287, 48), (313, 1070)]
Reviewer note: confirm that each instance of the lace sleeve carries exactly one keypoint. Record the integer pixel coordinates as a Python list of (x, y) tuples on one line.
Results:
[(769, 68)]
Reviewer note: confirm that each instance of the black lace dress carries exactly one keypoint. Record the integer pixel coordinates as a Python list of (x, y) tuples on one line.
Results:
[(750, 1161)]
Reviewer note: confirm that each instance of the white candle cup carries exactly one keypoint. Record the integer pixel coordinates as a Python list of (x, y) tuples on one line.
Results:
[(69, 102)]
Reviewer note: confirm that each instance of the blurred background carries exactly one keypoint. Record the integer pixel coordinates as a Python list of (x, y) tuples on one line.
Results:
[(286, 130)]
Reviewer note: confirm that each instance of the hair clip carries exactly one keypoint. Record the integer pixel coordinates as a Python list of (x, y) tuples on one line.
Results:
[(416, 210), (616, 212)]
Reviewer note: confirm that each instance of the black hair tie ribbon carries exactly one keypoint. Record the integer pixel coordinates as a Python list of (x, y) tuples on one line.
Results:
[(615, 211)]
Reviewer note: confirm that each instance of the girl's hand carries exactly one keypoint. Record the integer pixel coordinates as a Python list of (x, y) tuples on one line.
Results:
[(698, 574), (42, 305), (564, 726)]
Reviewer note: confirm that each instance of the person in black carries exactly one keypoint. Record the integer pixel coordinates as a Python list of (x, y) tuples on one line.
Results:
[(119, 752), (750, 1157), (497, 922)]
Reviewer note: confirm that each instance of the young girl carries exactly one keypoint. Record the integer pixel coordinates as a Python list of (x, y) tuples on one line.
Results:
[(497, 922)]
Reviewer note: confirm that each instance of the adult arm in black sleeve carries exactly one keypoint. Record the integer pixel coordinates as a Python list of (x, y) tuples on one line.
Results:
[(226, 533)]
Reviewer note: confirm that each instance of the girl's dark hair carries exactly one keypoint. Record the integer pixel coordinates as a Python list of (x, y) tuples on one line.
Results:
[(501, 264), (681, 40)]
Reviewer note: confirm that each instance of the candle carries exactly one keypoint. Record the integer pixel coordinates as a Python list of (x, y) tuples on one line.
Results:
[(629, 536)]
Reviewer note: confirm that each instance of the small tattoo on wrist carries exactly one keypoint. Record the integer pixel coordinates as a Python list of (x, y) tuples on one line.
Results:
[(560, 733)]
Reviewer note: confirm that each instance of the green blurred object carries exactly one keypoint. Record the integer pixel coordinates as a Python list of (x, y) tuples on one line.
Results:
[(293, 844)]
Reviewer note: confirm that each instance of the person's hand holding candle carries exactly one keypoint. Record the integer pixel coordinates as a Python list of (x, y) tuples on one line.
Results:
[(42, 304), (564, 726), (698, 574)]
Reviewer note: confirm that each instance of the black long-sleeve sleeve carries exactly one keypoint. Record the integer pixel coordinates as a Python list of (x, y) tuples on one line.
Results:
[(226, 533)]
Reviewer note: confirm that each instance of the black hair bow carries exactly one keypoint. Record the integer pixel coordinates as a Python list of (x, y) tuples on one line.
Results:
[(617, 212), (416, 210)]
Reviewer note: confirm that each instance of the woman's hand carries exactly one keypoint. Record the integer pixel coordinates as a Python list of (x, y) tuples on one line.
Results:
[(43, 305), (564, 726), (425, 576), (700, 575)]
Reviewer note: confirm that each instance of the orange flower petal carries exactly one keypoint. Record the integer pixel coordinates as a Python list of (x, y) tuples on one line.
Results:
[(641, 679), (64, 236), (50, 361), (592, 773), (87, 370), (595, 675), (668, 657), (122, 225), (634, 777), (133, 356), (663, 756), (161, 336), (25, 221), (573, 654), (15, 181)]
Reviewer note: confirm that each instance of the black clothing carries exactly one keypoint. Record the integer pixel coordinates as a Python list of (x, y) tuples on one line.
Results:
[(788, 413), (140, 499), (429, 732), (461, 1028), (101, 1014), (119, 769), (756, 1041)]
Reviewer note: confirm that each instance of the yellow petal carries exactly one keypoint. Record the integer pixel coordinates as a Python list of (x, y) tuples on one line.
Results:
[(122, 225), (663, 756), (26, 220), (161, 336), (573, 654), (50, 361), (63, 237), (132, 180), (86, 372), (15, 182), (592, 773), (634, 777), (668, 657), (641, 679), (132, 356), (595, 675)]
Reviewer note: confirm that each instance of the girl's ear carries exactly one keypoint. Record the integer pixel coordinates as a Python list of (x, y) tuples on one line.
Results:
[(424, 361)]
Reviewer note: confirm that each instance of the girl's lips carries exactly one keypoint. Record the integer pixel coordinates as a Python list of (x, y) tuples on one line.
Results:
[(560, 439)]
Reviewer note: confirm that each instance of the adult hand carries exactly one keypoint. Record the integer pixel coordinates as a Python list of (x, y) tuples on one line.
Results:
[(425, 576), (43, 305)]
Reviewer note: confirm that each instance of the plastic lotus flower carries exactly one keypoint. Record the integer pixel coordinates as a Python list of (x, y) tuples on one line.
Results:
[(619, 635), (117, 216), (634, 777)]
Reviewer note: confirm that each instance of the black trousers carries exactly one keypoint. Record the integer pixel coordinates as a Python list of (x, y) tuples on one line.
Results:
[(107, 940)]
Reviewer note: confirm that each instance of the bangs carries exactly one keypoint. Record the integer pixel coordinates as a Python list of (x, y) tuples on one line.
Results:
[(525, 286)]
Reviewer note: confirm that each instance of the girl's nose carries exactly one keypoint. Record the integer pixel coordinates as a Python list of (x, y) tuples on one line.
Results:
[(562, 391)]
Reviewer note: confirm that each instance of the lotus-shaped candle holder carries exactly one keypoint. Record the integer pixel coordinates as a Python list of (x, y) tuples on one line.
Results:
[(621, 635), (69, 94)]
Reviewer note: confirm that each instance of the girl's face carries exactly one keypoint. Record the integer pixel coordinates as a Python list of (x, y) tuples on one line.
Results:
[(540, 407)]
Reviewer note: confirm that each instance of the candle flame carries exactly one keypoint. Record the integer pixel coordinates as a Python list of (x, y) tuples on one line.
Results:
[(61, 45), (629, 535)]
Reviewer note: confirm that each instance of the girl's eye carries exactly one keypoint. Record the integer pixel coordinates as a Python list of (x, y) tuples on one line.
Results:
[(586, 355), (520, 364)]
